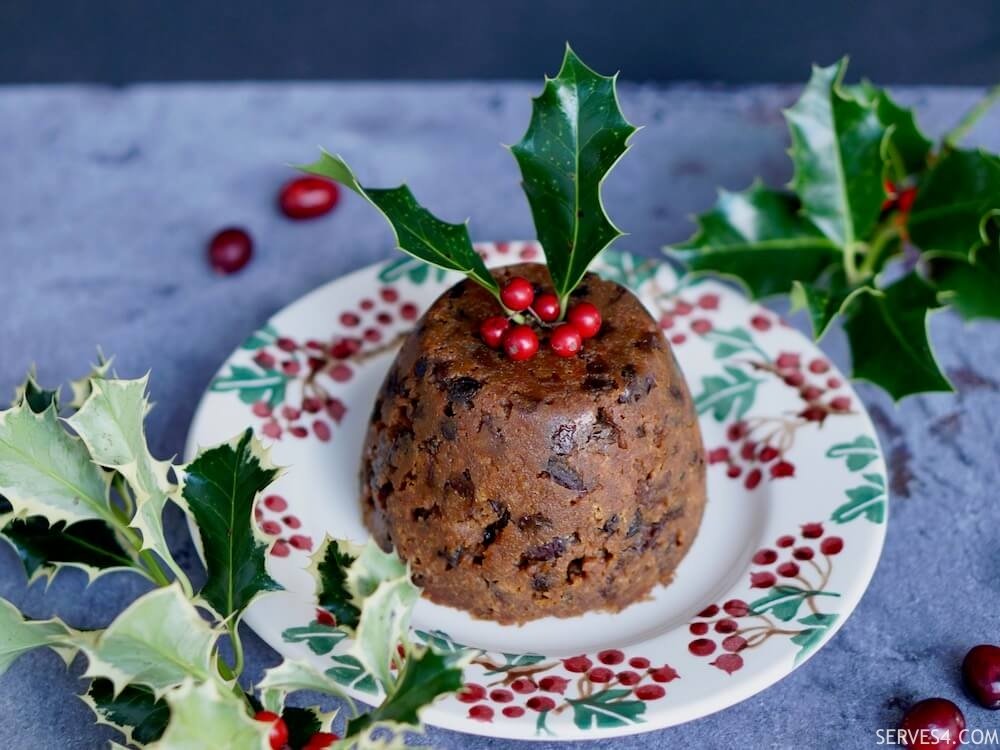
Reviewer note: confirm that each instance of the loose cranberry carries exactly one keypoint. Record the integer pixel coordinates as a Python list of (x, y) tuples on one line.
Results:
[(517, 294), (547, 307), (492, 330), (230, 250), (278, 736), (520, 343), (586, 317), (933, 724), (650, 692), (321, 741), (566, 341), (481, 713), (308, 197), (981, 675)]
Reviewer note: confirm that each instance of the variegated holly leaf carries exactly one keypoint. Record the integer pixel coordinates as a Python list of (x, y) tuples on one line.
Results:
[(608, 708), (18, 636), (727, 396), (909, 147), (45, 471), (759, 238), (158, 641), (426, 675), (90, 546), (81, 386), (135, 712), (576, 136), (417, 231), (887, 333), (837, 143), (203, 716), (220, 487), (957, 194), (290, 676), (110, 423)]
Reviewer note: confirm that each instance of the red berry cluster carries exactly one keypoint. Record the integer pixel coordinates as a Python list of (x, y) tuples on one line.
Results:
[(278, 735), (722, 621), (670, 320), (813, 382), (754, 457), (273, 518), (611, 669), (800, 552), (899, 197), (520, 341)]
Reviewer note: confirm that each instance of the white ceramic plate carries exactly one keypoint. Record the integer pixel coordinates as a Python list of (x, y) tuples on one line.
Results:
[(791, 535)]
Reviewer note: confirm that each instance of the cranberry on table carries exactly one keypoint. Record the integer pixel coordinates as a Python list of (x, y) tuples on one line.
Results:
[(932, 724), (520, 343), (308, 197), (517, 294), (492, 330), (547, 307), (230, 250), (981, 675), (586, 318), (566, 340), (278, 736)]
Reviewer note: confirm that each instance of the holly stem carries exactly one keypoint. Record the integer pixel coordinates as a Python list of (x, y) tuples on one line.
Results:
[(851, 264), (883, 237), (234, 638), (957, 133), (146, 557), (123, 492)]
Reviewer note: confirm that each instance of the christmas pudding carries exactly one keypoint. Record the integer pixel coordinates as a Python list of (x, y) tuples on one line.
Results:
[(534, 450)]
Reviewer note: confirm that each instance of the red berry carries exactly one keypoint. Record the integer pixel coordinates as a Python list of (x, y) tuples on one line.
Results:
[(541, 703), (718, 455), (292, 522), (523, 685), (833, 383), (321, 741), (639, 662), (728, 663), (611, 656), (785, 541), (600, 675), (230, 250), (819, 366), (501, 696), (301, 541), (734, 643), (678, 338), (547, 307), (408, 311), (566, 341), (748, 451), (736, 430), (765, 557), (261, 409), (733, 471), (726, 626), (760, 323), (520, 343), (666, 321), (906, 198), (471, 693), (832, 545), (553, 684), (271, 527), (577, 664), (762, 580), (513, 712), (981, 675), (708, 301), (701, 646), (321, 430), (278, 736), (698, 628), (325, 618), (281, 549), (389, 294), (701, 326), (811, 393), (803, 553), (308, 197), (586, 317), (736, 607), (753, 479), (492, 330), (517, 294), (782, 469), (768, 453), (814, 414), (628, 677), (841, 403), (812, 530), (649, 692), (682, 308), (795, 379), (276, 503), (787, 361), (349, 319), (932, 724), (710, 611), (481, 713), (788, 570), (366, 304), (666, 673)]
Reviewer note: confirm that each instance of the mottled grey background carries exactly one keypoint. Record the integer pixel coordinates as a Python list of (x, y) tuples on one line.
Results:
[(734, 41), (107, 197)]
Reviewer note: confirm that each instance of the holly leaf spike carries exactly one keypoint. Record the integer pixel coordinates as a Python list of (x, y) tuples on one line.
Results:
[(837, 145), (576, 136), (417, 231), (18, 635), (202, 716), (220, 487), (970, 285)]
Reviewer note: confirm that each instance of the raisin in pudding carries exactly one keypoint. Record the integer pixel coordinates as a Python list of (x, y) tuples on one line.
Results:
[(522, 489)]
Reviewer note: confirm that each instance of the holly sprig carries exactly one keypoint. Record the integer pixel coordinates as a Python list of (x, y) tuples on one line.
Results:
[(576, 135), (880, 226), (80, 488)]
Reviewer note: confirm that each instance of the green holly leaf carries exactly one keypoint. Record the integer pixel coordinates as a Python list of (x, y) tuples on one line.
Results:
[(909, 146), (158, 641), (887, 333), (330, 565), (18, 636), (868, 500), (608, 708), (81, 386), (220, 487), (837, 146), (110, 423), (90, 546), (426, 675), (302, 724), (135, 711), (38, 399), (576, 135), (823, 302), (858, 453), (45, 471), (203, 716), (969, 285), (955, 196), (726, 397), (759, 238), (417, 231), (252, 385)]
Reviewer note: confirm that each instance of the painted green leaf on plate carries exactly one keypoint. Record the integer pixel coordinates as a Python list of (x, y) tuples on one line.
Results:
[(607, 708), (727, 396)]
